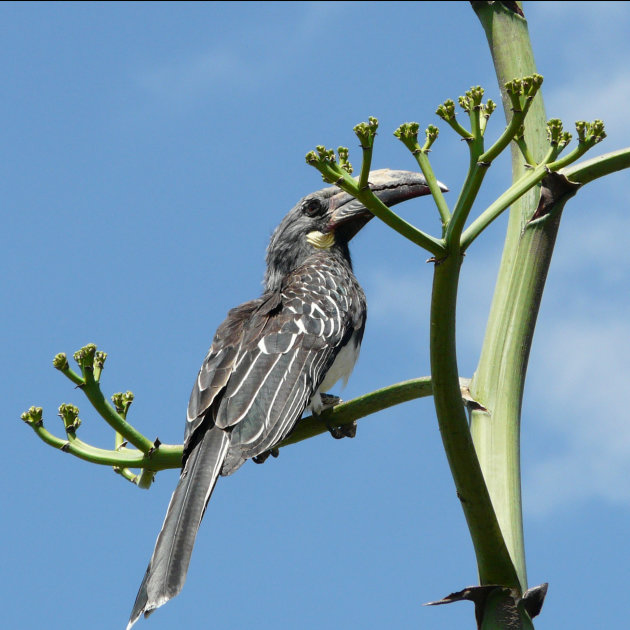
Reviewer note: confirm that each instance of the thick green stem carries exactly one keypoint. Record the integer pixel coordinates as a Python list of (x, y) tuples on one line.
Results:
[(587, 171), (493, 558), (499, 380), (517, 190)]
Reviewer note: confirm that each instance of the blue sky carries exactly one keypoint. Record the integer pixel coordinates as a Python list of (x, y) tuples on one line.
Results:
[(149, 151)]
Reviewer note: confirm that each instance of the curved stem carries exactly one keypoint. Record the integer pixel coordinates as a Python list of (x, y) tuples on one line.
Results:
[(348, 412), (427, 170), (94, 394), (599, 166), (493, 559), (168, 456), (394, 221), (494, 210)]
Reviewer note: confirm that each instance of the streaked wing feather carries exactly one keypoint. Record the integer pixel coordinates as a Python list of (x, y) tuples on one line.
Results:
[(217, 367)]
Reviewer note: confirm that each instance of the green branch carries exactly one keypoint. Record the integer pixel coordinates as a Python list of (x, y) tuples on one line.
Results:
[(166, 456), (597, 167), (366, 132), (407, 133), (339, 174), (494, 210), (493, 558), (521, 93), (348, 412), (589, 135), (90, 386)]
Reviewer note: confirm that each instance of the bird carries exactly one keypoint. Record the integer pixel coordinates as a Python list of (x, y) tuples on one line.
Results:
[(271, 359)]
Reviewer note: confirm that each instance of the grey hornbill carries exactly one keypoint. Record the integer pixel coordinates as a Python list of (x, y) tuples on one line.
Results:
[(270, 359)]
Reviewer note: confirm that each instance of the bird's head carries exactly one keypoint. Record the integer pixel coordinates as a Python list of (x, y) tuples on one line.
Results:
[(329, 218)]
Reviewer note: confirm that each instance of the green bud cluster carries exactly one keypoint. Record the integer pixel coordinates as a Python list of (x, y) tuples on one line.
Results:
[(343, 153), (522, 91), (70, 417), (85, 356), (326, 163), (488, 108), (326, 155), (556, 136), (432, 133), (407, 131), (60, 362), (366, 131), (33, 416), (99, 359), (446, 111), (590, 133), (472, 99), (122, 401)]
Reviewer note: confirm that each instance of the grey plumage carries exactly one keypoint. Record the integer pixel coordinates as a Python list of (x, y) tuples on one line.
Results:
[(268, 361)]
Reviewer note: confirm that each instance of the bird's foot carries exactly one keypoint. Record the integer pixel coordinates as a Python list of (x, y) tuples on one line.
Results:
[(324, 402), (345, 430), (262, 458)]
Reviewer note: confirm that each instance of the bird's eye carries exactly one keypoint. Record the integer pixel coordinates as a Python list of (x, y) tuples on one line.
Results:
[(313, 207)]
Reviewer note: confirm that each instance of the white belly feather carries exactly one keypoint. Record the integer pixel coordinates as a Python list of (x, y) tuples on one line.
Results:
[(340, 369)]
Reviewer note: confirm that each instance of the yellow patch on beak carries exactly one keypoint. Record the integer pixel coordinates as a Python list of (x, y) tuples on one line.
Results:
[(321, 240)]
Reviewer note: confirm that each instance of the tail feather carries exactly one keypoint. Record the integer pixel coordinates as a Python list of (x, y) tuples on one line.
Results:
[(166, 573)]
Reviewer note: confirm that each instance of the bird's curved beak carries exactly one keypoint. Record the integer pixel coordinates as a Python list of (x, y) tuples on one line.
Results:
[(349, 215)]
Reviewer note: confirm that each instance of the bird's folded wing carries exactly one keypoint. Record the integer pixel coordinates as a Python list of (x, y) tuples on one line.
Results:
[(266, 361)]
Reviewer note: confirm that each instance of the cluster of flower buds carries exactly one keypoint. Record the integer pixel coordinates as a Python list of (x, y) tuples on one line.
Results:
[(85, 356), (69, 414), (522, 91), (33, 416), (555, 134), (122, 402), (366, 132), (343, 152), (472, 99), (590, 133)]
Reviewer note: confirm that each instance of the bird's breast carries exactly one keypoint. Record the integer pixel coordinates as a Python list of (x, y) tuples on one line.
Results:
[(343, 364)]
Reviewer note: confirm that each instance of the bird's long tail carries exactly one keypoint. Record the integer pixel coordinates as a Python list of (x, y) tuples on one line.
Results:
[(167, 569)]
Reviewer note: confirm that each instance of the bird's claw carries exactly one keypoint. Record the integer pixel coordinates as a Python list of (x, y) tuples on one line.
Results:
[(328, 401), (262, 458), (345, 430)]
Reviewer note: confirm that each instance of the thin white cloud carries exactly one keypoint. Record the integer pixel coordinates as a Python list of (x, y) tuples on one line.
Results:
[(396, 296), (241, 61), (573, 101), (593, 233), (185, 79), (581, 385), (576, 403), (592, 14)]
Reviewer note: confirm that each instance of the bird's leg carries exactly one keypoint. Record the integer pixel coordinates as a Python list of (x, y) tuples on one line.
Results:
[(262, 458), (328, 401)]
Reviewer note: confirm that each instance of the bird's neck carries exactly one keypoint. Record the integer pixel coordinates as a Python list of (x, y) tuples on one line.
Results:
[(280, 263)]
